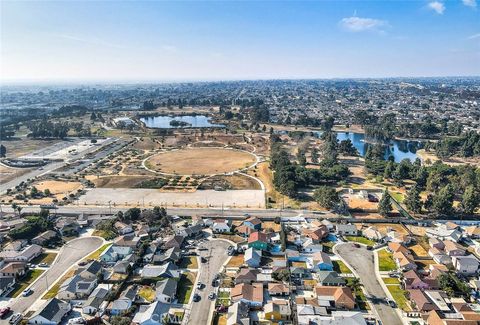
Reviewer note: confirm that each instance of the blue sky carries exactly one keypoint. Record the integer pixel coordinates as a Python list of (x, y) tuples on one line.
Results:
[(205, 40)]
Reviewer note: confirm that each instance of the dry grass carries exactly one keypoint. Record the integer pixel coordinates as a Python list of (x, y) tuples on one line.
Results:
[(235, 261), (119, 181), (418, 250), (58, 187), (7, 174), (385, 227), (201, 161), (54, 289)]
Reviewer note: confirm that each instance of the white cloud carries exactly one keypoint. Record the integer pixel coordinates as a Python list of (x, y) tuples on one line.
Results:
[(437, 6), (357, 24), (470, 3), (474, 36)]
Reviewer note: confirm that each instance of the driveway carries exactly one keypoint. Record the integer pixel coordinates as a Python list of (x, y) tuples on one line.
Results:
[(217, 255), (70, 254), (362, 262)]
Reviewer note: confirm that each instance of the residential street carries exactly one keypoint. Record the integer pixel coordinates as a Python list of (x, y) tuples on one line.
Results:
[(217, 255), (69, 255), (362, 262)]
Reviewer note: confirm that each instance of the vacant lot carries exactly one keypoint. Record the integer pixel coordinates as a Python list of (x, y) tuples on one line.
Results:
[(7, 174), (58, 187), (200, 161), (384, 228), (232, 182)]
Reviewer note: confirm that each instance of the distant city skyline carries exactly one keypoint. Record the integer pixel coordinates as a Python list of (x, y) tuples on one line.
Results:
[(194, 41)]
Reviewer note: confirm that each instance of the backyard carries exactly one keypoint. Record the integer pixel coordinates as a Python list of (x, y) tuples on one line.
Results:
[(185, 287)]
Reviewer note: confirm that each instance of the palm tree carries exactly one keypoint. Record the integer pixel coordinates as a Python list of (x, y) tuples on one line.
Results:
[(355, 284)]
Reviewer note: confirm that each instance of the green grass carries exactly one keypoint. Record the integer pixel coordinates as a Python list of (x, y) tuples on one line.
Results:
[(96, 255), (185, 287), (27, 280), (399, 197), (45, 258), (188, 262), (385, 261), (54, 289), (223, 298), (398, 295), (361, 240), (340, 267), (147, 293), (327, 246), (360, 298), (391, 281)]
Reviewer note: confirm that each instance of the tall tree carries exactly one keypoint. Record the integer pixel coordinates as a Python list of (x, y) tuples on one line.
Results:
[(412, 201), (470, 200), (326, 197), (385, 205), (443, 201)]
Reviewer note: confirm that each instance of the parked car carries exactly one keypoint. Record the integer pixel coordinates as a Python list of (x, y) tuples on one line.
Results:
[(211, 296), (196, 297), (15, 319), (392, 303), (203, 259), (4, 312), (369, 248), (200, 285), (356, 245), (43, 265)]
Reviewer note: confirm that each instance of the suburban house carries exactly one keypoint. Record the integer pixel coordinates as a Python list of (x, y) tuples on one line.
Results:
[(165, 290), (278, 289), (253, 223), (170, 255), (277, 311), (258, 240), (174, 241), (318, 234), (238, 313), (420, 302), (347, 229), (25, 255), (246, 275), (335, 297), (96, 302), (411, 280), (115, 253), (330, 278), (6, 285), (124, 302), (45, 238), (322, 261), (465, 264), (154, 314), (308, 246), (67, 226), (444, 232), (252, 294), (76, 287), (453, 249), (253, 257), (127, 240), (191, 231), (51, 312), (14, 269), (473, 232), (123, 228), (221, 226), (372, 233), (168, 270)]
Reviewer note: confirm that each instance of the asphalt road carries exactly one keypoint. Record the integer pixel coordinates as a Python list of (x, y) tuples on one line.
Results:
[(217, 255), (362, 262), (70, 254), (230, 212)]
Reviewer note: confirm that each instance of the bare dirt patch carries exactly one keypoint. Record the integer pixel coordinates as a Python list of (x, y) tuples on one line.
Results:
[(7, 174), (119, 181), (58, 187), (231, 182), (200, 161)]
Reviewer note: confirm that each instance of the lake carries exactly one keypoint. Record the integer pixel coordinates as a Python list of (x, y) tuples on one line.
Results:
[(194, 121)]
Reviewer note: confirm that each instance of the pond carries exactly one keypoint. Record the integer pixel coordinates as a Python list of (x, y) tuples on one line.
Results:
[(399, 149), (189, 121)]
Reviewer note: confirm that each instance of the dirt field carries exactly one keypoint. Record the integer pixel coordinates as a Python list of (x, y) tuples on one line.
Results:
[(7, 174), (232, 182), (201, 161), (146, 144), (58, 187), (21, 146)]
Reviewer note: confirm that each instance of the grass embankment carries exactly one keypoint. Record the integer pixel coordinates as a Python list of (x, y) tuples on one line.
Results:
[(360, 298), (185, 287), (54, 289), (385, 261), (27, 280), (340, 267), (96, 255)]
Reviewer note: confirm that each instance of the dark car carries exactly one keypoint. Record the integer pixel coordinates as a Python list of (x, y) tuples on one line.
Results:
[(196, 297), (214, 282), (369, 248), (4, 312), (356, 245), (203, 259)]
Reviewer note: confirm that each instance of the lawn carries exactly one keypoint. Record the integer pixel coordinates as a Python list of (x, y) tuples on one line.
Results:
[(54, 289), (399, 197), (340, 267), (96, 255), (45, 258), (398, 295), (188, 262), (147, 293), (391, 281), (361, 240), (385, 261), (185, 287), (327, 246), (223, 298), (27, 280)]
